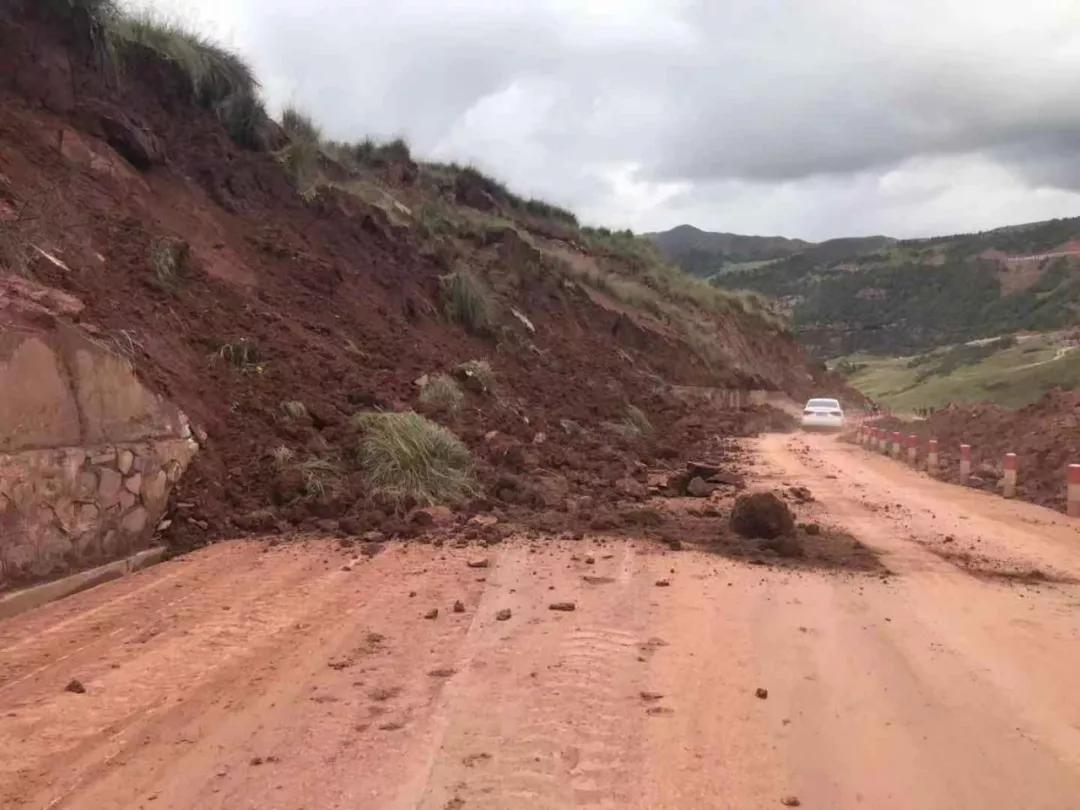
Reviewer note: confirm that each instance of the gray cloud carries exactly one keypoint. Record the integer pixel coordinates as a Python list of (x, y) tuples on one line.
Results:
[(808, 119)]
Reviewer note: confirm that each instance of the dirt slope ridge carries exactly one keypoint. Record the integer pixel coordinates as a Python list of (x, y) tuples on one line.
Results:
[(329, 301)]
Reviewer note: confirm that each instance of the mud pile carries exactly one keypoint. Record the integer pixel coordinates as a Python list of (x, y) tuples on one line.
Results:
[(234, 296)]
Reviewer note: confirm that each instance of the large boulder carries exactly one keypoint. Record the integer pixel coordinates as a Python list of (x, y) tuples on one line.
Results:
[(763, 515)]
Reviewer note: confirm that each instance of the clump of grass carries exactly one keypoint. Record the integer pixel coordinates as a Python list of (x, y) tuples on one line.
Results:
[(321, 476), (472, 177), (546, 210), (242, 114), (243, 355), (368, 152), (299, 126), (405, 456), (436, 221), (168, 259), (301, 157), (443, 394), (468, 301), (476, 375), (636, 422), (282, 456), (214, 72), (295, 409), (218, 79)]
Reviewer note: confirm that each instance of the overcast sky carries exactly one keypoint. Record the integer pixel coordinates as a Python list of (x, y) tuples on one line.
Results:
[(809, 118)]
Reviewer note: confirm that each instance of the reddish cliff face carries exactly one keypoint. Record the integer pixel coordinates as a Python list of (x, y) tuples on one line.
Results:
[(231, 294)]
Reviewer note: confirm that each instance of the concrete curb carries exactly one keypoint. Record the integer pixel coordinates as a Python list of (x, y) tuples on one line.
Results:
[(29, 598)]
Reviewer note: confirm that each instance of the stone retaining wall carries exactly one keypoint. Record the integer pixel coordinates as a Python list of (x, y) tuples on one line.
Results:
[(70, 508), (723, 398), (88, 454)]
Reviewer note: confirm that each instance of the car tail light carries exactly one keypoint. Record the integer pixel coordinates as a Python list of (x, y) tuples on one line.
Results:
[(836, 413), (808, 412)]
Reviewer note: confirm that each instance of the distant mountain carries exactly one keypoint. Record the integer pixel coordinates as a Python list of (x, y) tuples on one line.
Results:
[(703, 253), (893, 297)]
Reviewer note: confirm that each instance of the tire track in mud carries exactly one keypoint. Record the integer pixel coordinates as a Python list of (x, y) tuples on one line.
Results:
[(136, 674), (101, 619), (564, 727)]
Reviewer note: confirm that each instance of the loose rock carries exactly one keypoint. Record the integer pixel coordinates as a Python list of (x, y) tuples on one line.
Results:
[(479, 563), (762, 515), (662, 583), (503, 615), (761, 693), (564, 606), (459, 606), (698, 488), (432, 614), (75, 686)]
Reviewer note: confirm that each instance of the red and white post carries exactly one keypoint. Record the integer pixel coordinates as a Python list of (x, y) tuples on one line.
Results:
[(932, 455), (913, 449), (1008, 482), (965, 462), (1072, 502), (896, 438)]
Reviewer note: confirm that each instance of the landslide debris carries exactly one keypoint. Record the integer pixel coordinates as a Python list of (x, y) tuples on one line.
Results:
[(762, 515)]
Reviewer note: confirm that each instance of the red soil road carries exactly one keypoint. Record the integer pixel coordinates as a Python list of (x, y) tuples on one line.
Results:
[(253, 676)]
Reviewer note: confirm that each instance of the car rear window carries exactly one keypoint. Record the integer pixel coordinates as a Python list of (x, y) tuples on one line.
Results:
[(823, 403)]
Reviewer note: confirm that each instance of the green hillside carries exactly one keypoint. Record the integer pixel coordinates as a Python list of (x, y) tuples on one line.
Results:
[(702, 253), (1010, 371), (893, 297)]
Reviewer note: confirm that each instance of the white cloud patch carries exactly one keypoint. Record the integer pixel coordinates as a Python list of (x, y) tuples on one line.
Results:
[(810, 119)]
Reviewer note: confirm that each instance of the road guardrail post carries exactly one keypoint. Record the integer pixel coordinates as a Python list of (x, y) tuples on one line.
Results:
[(1008, 482)]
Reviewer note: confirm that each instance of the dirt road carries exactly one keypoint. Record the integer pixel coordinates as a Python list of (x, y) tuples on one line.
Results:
[(256, 676)]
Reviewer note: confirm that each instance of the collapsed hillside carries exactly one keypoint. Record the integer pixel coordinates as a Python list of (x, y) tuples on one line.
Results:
[(272, 285)]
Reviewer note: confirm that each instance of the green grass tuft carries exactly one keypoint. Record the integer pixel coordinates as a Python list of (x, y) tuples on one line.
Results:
[(442, 394), (637, 422), (168, 258), (468, 302), (322, 476), (243, 355), (300, 158), (219, 79), (295, 409), (405, 456), (476, 375)]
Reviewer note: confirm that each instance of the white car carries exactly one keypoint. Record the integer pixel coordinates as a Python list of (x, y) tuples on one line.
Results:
[(823, 414)]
